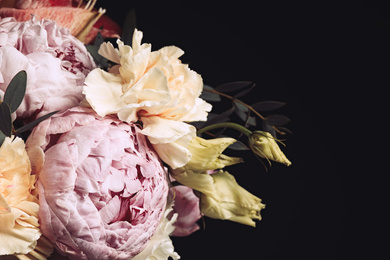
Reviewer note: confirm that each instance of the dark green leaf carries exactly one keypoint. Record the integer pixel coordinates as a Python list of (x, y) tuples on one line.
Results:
[(233, 86), (2, 138), (244, 114), (128, 27), (268, 128), (219, 118), (238, 146), (267, 105), (277, 120), (246, 91), (209, 96), (16, 89), (99, 59), (5, 119), (34, 123), (98, 39)]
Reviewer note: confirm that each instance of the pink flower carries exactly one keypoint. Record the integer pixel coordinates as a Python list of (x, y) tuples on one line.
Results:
[(187, 206), (80, 17), (102, 187), (56, 64)]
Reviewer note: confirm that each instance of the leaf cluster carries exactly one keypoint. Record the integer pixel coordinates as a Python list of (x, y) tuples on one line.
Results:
[(13, 97), (249, 115)]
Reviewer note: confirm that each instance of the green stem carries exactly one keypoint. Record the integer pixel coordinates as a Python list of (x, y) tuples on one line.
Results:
[(234, 126)]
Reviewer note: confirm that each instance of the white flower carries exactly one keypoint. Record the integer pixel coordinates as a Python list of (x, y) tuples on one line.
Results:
[(153, 87), (160, 245)]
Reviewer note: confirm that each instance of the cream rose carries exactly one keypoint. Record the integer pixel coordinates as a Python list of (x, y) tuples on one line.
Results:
[(153, 87)]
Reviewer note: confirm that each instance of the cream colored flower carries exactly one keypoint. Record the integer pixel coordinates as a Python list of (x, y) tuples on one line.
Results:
[(153, 87), (19, 229), (160, 245), (229, 201), (264, 145), (220, 195), (206, 155)]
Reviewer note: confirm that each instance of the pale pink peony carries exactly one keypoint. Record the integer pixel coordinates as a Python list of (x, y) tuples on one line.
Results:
[(80, 17), (102, 187), (56, 64), (187, 207)]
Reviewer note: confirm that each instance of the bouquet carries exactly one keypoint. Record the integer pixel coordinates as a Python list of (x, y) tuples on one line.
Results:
[(109, 147)]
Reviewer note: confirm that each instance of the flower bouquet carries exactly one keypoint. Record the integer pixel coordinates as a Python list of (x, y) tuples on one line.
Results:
[(108, 147)]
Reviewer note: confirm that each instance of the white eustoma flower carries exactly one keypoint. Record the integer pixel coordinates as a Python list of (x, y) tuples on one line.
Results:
[(153, 87)]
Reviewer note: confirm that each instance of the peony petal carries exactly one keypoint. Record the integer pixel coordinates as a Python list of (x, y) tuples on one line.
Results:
[(109, 212), (187, 207)]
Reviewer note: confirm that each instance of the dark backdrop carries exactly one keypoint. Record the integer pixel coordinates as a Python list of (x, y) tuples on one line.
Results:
[(330, 62)]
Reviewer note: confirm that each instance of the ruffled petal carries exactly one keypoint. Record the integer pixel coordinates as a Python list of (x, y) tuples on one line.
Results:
[(108, 51), (103, 91), (160, 130)]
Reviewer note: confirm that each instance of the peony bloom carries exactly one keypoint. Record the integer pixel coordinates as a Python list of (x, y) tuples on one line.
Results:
[(102, 187), (229, 201), (187, 207), (80, 19), (19, 228), (264, 145), (153, 87), (56, 64)]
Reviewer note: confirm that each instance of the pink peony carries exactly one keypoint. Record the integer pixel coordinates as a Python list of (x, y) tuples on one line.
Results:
[(102, 187), (80, 17), (56, 64), (187, 207)]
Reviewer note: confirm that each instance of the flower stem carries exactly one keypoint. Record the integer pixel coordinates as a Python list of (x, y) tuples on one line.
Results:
[(236, 100), (234, 126), (244, 104)]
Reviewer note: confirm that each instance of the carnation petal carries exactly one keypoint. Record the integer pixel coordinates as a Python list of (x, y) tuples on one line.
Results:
[(17, 240), (160, 130), (173, 154), (108, 51), (103, 91)]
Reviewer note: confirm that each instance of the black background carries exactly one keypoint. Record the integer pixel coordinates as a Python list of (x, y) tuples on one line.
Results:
[(330, 62)]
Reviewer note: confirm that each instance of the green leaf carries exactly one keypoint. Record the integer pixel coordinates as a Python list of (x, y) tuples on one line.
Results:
[(34, 123), (5, 119), (128, 27), (209, 96), (239, 146), (267, 105), (15, 91), (244, 114), (99, 59), (277, 120), (219, 118), (2, 138), (245, 91)]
